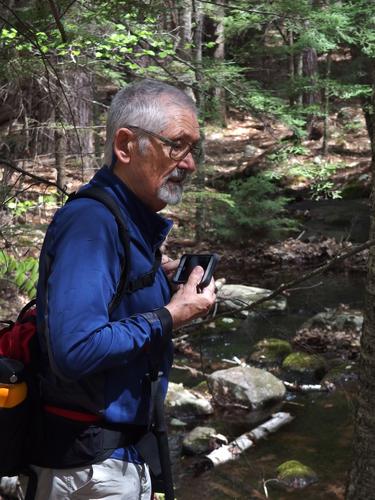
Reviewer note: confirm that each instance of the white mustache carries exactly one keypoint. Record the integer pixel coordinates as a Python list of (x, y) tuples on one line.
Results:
[(178, 174)]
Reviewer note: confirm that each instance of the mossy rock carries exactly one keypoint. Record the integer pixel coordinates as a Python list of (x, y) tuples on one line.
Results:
[(305, 368), (296, 475), (271, 351), (200, 440)]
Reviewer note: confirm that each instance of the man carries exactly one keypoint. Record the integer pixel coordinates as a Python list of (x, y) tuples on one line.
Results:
[(96, 363)]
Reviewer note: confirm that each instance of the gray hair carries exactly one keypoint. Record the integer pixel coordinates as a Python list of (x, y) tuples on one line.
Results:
[(142, 104)]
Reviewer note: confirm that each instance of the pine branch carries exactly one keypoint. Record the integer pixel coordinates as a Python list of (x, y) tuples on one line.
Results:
[(251, 11)]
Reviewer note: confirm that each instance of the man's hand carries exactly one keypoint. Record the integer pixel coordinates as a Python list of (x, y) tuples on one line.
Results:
[(169, 266), (188, 303)]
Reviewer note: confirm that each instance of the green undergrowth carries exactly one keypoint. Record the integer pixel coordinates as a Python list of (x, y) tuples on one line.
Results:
[(21, 272)]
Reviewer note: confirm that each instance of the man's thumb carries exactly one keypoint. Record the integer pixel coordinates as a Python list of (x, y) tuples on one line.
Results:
[(196, 276)]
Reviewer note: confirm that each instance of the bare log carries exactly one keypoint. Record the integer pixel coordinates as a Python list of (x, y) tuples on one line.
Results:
[(250, 167), (234, 449), (308, 387)]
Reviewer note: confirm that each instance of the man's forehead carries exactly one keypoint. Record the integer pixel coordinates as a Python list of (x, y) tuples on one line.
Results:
[(182, 120)]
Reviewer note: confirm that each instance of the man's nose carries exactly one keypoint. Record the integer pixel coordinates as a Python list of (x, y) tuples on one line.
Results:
[(188, 163)]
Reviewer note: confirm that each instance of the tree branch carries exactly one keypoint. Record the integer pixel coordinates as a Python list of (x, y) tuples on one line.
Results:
[(29, 34), (40, 180), (58, 22), (287, 286)]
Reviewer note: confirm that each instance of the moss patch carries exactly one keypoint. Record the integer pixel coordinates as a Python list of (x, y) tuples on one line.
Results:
[(271, 351), (295, 474), (301, 362)]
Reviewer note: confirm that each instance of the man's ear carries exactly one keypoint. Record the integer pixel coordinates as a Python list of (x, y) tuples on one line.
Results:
[(123, 144)]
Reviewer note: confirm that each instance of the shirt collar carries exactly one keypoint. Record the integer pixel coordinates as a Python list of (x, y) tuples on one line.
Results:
[(154, 225)]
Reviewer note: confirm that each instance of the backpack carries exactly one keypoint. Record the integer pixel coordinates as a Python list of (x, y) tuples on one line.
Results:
[(19, 357)]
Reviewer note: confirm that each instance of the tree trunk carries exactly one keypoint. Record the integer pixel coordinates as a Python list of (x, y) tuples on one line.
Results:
[(200, 102), (361, 484), (291, 68), (80, 117), (300, 75), (219, 56), (310, 71), (60, 145), (326, 106), (186, 28)]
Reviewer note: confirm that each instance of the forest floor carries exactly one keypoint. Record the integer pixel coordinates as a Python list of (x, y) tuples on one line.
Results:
[(308, 177)]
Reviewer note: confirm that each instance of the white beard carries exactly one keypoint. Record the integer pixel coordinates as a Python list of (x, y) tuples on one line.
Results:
[(171, 192)]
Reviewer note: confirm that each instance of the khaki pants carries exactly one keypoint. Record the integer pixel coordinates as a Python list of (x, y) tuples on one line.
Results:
[(111, 479)]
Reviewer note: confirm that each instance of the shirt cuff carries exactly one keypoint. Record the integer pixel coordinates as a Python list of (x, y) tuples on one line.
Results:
[(166, 321)]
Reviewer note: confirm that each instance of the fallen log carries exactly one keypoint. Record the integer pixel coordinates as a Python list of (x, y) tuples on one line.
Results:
[(234, 449), (308, 387), (247, 168)]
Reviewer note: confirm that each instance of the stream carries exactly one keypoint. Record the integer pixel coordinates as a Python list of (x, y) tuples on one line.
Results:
[(320, 435)]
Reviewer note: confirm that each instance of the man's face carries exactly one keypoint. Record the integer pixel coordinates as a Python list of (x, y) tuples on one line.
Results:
[(152, 175)]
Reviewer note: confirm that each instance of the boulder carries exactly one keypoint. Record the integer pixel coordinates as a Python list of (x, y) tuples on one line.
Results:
[(202, 440), (270, 351), (237, 296), (182, 402), (305, 368), (246, 387), (293, 474)]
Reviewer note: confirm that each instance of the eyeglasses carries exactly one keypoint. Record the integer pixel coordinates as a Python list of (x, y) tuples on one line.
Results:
[(178, 151)]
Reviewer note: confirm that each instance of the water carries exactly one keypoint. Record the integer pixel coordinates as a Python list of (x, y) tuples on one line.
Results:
[(320, 435), (310, 298)]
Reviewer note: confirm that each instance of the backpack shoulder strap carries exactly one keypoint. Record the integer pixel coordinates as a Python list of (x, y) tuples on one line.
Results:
[(98, 194), (125, 286)]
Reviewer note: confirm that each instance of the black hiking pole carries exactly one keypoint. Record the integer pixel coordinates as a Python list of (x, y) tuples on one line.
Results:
[(31, 484), (160, 431)]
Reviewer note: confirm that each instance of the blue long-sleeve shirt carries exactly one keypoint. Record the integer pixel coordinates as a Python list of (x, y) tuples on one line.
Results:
[(93, 361)]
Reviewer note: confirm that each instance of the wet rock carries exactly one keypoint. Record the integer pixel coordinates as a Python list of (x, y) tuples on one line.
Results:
[(337, 319), (270, 351), (183, 402), (185, 375), (176, 422), (237, 296), (294, 474), (304, 368), (202, 440), (246, 387), (341, 375)]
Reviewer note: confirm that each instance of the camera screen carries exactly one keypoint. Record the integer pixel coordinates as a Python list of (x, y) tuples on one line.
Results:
[(191, 262)]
